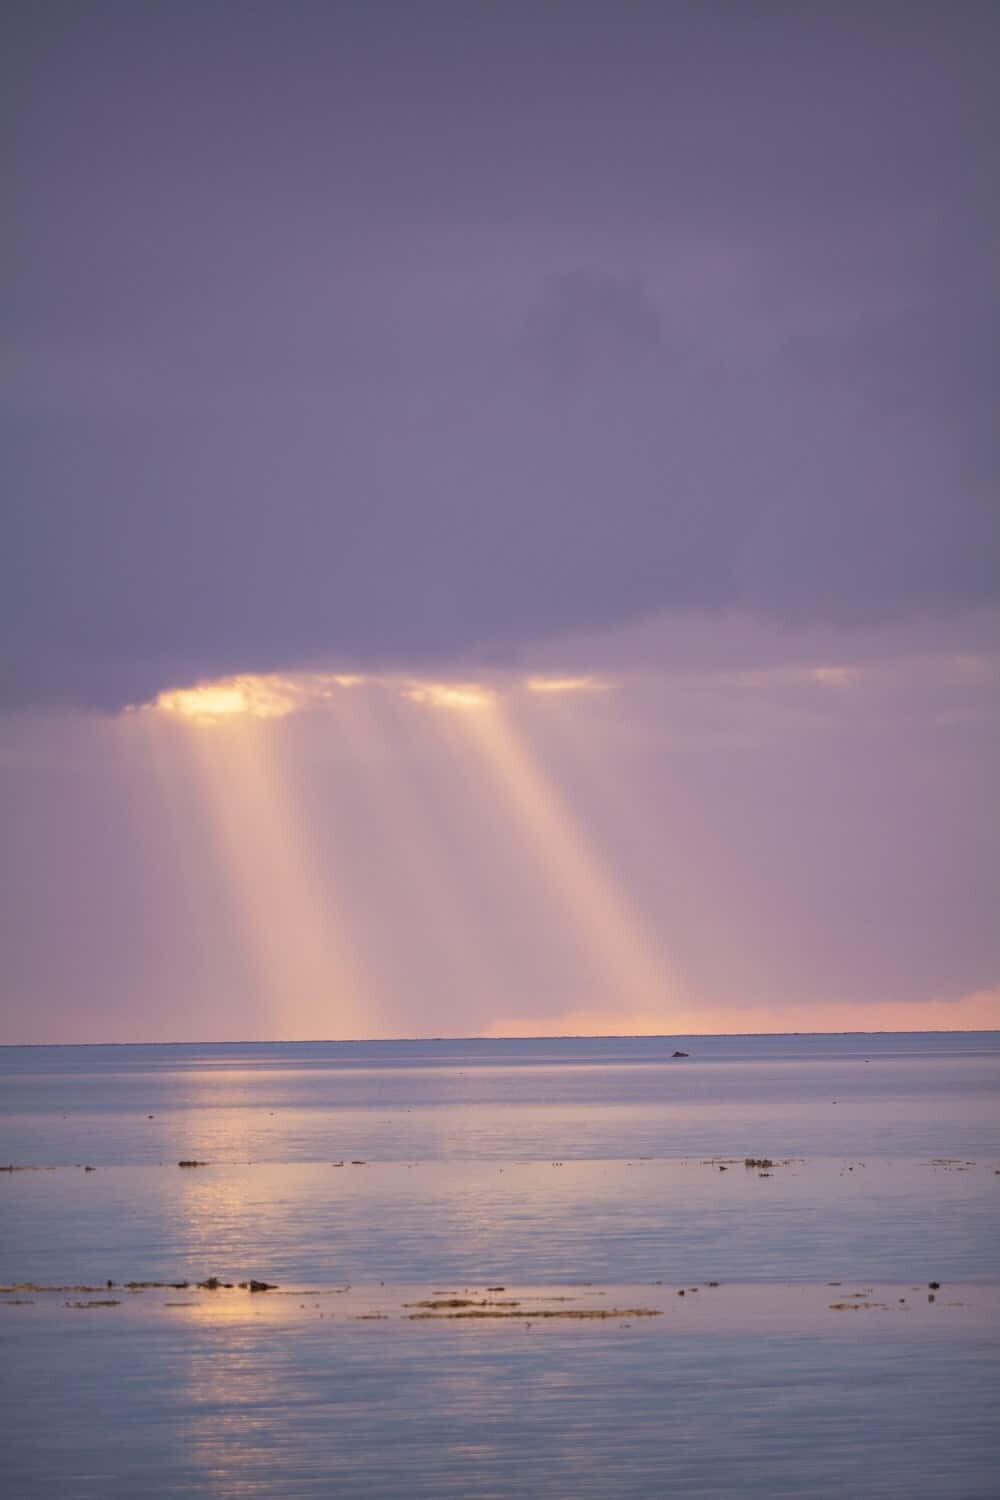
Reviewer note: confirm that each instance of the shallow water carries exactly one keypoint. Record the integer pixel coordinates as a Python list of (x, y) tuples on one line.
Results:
[(811, 1220), (537, 1166)]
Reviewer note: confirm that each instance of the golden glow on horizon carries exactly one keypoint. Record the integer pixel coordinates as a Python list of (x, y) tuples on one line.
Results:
[(975, 1012)]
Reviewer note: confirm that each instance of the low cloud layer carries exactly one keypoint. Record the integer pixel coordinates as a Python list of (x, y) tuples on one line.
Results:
[(330, 349)]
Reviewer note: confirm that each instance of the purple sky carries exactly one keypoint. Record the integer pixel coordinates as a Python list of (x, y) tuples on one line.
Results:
[(655, 341)]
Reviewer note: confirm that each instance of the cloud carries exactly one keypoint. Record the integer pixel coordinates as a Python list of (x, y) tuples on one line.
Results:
[(266, 696), (572, 364), (277, 696), (589, 323), (724, 681), (274, 695), (449, 694), (561, 685)]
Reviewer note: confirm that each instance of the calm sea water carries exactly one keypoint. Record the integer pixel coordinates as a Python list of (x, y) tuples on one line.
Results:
[(364, 1178)]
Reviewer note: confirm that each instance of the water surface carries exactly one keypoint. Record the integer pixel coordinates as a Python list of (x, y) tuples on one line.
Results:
[(577, 1169)]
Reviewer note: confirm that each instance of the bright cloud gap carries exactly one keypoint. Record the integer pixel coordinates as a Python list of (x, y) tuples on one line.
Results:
[(277, 695)]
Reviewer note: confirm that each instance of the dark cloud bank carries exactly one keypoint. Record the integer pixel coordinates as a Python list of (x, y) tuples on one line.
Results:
[(383, 335)]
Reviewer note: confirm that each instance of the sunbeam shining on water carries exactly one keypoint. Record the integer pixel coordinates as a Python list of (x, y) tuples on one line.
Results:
[(499, 706)]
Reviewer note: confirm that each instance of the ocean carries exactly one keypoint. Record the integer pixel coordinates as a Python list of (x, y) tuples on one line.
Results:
[(502, 1268)]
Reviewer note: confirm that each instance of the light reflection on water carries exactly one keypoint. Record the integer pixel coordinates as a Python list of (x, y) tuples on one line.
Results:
[(461, 1187), (808, 1221), (311, 1103), (594, 1410)]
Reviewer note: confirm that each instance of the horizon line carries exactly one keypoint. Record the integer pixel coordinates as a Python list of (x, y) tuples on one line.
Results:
[(640, 1036)]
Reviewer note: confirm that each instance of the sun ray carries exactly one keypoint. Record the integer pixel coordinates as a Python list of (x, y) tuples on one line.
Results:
[(310, 978), (421, 830), (634, 977), (287, 896)]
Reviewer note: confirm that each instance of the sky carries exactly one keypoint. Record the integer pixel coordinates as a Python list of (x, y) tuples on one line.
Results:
[(500, 525)]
